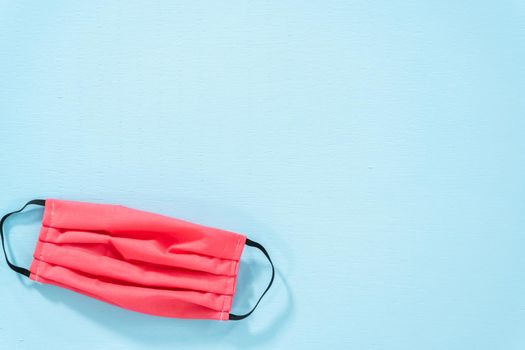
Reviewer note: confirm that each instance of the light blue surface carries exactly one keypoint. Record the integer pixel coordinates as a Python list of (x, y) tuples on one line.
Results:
[(375, 147)]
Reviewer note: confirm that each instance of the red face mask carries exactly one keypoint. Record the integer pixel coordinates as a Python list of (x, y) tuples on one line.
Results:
[(137, 260)]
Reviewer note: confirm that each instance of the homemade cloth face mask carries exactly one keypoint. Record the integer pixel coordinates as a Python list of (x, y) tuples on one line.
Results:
[(137, 260)]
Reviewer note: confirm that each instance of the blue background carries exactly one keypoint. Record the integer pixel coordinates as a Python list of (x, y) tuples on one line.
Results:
[(375, 147)]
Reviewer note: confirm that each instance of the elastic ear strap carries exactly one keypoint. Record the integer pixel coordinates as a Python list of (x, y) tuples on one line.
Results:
[(15, 268), (251, 243)]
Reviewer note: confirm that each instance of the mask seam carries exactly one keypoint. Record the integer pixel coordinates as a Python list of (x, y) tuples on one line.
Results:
[(232, 268), (37, 276)]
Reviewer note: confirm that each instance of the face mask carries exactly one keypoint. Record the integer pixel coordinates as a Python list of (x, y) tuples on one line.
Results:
[(137, 260)]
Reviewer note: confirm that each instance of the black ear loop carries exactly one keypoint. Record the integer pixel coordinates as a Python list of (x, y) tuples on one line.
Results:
[(15, 268), (251, 243)]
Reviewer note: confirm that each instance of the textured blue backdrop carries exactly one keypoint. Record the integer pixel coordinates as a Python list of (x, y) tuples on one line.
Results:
[(375, 147)]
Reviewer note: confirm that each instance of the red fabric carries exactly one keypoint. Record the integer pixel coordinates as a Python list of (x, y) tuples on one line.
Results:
[(138, 260)]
